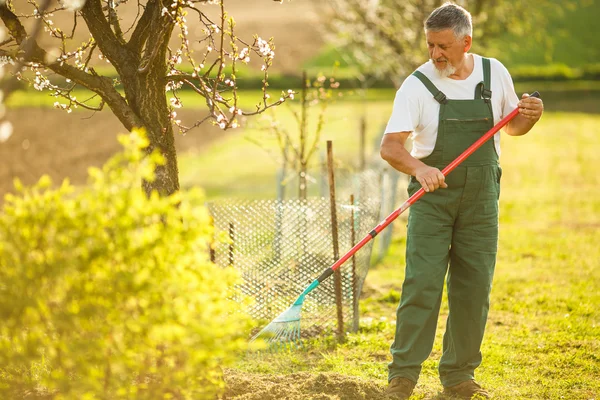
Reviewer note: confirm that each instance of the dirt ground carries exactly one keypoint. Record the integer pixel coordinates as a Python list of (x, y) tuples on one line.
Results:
[(323, 386), (49, 141)]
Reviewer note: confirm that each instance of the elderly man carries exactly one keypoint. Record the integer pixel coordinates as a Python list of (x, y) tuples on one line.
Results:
[(445, 106)]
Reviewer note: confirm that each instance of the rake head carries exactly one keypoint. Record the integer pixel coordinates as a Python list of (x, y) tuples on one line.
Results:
[(285, 329)]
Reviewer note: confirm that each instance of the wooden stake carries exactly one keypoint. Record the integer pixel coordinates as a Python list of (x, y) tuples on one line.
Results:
[(231, 238), (336, 251), (362, 147), (211, 244)]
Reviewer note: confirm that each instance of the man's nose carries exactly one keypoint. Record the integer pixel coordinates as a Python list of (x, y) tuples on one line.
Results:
[(436, 53)]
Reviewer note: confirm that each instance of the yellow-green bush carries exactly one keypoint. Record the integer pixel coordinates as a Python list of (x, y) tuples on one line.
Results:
[(108, 294)]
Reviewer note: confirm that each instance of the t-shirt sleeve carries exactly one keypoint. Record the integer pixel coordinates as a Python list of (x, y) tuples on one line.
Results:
[(509, 98), (405, 114)]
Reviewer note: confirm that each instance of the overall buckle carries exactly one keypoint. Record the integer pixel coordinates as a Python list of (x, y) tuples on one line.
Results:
[(441, 98)]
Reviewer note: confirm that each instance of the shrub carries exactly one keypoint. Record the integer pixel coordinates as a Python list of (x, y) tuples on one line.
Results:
[(108, 294)]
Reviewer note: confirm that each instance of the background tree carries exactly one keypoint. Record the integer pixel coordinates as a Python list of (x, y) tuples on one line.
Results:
[(386, 39), (150, 54), (298, 146)]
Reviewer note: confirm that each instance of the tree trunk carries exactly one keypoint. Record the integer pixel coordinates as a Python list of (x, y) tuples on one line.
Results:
[(160, 134), (145, 92)]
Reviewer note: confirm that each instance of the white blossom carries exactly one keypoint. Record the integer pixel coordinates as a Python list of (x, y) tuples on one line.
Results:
[(175, 102), (6, 60), (264, 48)]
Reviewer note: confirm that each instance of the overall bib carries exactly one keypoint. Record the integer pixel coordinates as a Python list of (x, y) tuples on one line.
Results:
[(451, 231)]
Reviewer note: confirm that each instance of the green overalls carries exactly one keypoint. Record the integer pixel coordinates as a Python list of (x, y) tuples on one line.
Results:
[(453, 230)]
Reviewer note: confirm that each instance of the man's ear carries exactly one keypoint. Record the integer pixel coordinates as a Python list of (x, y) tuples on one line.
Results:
[(468, 42)]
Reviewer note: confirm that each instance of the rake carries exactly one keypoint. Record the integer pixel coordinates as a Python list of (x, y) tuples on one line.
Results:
[(285, 328)]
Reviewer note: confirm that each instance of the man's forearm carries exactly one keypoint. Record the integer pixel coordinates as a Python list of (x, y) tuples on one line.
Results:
[(519, 126), (400, 159)]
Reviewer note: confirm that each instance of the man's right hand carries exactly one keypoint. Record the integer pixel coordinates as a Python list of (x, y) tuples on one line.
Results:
[(430, 178)]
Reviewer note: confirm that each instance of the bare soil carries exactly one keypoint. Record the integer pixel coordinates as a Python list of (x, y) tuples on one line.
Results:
[(61, 145), (303, 385)]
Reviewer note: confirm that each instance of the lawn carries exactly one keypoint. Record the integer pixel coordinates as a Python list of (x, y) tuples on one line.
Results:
[(543, 335)]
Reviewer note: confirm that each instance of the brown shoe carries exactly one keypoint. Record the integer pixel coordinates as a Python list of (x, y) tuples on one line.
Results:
[(467, 390), (400, 388)]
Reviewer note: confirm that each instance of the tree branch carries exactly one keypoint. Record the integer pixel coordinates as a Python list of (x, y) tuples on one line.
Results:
[(107, 41), (140, 33), (101, 85), (159, 32), (113, 20)]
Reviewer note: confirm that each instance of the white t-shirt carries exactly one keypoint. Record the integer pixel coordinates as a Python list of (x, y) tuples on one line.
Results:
[(415, 110)]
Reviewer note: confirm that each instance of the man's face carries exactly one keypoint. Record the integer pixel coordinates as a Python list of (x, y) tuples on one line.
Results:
[(445, 51)]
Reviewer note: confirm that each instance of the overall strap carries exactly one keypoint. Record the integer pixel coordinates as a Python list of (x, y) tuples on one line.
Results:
[(483, 89), (437, 94)]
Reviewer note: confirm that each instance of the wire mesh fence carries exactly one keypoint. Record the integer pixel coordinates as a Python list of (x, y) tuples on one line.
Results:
[(280, 246)]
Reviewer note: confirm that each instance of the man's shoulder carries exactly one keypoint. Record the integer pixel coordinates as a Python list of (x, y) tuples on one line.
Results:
[(496, 65), (413, 85)]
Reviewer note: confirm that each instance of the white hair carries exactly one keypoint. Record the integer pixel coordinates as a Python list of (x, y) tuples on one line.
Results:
[(450, 16)]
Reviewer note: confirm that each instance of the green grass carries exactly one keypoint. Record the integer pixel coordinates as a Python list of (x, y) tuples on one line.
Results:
[(245, 164), (543, 335)]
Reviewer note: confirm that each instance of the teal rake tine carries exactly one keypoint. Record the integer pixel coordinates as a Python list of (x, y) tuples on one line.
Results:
[(285, 329)]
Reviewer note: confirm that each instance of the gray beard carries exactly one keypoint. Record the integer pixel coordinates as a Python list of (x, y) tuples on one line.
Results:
[(446, 72)]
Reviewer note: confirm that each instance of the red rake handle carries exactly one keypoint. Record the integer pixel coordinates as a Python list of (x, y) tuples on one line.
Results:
[(421, 192)]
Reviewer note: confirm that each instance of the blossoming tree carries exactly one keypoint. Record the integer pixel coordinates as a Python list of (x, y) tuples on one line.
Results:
[(385, 38), (145, 62)]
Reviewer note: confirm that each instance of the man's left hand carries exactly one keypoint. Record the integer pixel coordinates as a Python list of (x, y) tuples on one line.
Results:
[(531, 108)]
